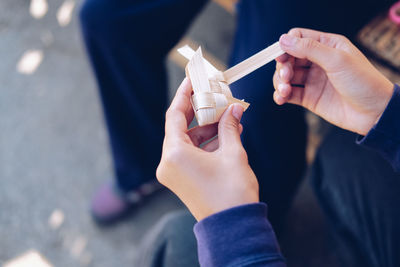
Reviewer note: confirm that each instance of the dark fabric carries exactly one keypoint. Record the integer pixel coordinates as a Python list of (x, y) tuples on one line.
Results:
[(360, 194), (170, 243), (241, 236), (385, 135), (127, 42)]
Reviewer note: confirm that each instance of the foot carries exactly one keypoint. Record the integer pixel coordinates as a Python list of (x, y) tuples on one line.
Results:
[(109, 204)]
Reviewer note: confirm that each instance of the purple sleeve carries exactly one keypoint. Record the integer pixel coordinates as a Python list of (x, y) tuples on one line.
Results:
[(384, 137), (240, 236)]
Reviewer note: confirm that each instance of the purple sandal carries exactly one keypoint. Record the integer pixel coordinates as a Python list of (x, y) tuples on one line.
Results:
[(109, 204)]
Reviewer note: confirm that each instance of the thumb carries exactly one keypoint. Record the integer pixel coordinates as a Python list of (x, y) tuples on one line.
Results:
[(310, 49), (229, 127)]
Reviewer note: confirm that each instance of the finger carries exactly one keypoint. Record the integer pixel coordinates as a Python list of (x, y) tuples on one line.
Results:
[(275, 80), (328, 39), (283, 88), (228, 127), (214, 144), (283, 58), (310, 49), (279, 100), (299, 76), (211, 146), (185, 91), (306, 33), (296, 96), (289, 75), (302, 63), (180, 113), (296, 32), (199, 135), (286, 71)]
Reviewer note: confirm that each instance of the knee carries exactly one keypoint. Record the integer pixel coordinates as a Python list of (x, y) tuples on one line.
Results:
[(335, 160), (178, 223), (341, 166)]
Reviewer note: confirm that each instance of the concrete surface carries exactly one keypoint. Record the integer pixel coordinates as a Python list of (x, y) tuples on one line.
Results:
[(54, 150)]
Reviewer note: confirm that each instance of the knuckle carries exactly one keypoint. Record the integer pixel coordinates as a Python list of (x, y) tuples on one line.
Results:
[(339, 39), (231, 124), (309, 44), (160, 173), (343, 57), (342, 38), (169, 114), (334, 40), (294, 32), (170, 160), (172, 156)]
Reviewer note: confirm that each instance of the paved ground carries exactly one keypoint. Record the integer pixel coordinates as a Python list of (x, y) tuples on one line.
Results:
[(54, 150)]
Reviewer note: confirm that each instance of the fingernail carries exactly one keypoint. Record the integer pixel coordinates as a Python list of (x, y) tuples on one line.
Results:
[(289, 40), (281, 87), (237, 111), (283, 72)]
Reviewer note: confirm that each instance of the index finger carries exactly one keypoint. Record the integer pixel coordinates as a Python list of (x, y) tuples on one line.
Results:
[(307, 33), (180, 113), (302, 33)]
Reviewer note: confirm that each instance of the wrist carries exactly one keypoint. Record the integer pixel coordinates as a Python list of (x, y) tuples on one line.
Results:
[(387, 92), (241, 189), (382, 100), (201, 210), (222, 208)]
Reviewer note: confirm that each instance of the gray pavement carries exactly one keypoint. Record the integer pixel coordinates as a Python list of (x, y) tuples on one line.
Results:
[(54, 150)]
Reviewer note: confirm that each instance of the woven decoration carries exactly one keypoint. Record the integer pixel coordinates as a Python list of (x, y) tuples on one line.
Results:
[(211, 92)]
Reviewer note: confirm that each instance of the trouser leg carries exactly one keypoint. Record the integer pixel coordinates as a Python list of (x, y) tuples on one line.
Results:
[(127, 42), (359, 193), (275, 137), (170, 243)]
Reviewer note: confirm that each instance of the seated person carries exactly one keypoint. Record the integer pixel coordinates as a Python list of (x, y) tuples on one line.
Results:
[(358, 188), (127, 43)]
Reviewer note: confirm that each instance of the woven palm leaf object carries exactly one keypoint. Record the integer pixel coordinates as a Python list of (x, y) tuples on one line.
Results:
[(211, 92), (211, 95)]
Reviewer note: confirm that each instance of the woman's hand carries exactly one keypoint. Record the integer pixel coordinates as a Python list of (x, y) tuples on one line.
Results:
[(328, 75), (208, 178)]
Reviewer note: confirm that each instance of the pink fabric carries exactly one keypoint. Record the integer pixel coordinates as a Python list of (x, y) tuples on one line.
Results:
[(394, 13), (107, 203)]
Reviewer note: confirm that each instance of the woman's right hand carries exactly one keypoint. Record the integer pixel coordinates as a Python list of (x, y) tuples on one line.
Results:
[(328, 75)]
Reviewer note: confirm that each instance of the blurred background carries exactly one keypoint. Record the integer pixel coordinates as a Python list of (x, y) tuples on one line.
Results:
[(54, 150)]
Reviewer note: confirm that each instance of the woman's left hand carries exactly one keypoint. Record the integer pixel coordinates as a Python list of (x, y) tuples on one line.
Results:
[(208, 178)]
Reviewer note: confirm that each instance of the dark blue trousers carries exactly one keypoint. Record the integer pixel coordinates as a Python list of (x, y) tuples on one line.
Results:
[(359, 192), (128, 40)]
